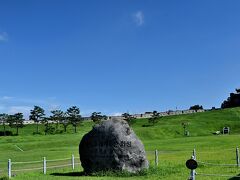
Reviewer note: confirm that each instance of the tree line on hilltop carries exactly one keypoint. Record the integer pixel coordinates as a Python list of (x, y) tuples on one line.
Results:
[(51, 123), (60, 119)]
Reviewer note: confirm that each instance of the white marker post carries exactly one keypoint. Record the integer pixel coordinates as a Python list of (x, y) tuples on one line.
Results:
[(9, 168), (193, 172), (44, 165), (156, 158), (192, 165), (194, 154)]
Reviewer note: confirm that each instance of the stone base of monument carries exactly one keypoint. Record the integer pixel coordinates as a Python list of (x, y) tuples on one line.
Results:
[(112, 145)]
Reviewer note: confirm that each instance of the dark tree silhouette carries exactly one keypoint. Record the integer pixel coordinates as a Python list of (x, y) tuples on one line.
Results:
[(37, 114), (196, 107), (16, 121), (155, 118), (74, 117), (96, 117), (129, 118), (64, 121), (57, 116)]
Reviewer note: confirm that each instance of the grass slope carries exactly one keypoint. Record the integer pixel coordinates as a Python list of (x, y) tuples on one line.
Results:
[(166, 136)]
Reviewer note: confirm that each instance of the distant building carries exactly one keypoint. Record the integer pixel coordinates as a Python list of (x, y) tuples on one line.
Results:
[(86, 118), (145, 115), (232, 101), (28, 122)]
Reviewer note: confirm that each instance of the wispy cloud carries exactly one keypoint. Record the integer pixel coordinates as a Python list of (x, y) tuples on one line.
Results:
[(116, 114), (12, 105), (17, 100), (22, 109), (3, 36), (54, 107), (6, 97), (138, 18)]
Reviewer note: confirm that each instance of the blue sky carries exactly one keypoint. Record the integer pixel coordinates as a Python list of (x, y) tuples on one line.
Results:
[(118, 56)]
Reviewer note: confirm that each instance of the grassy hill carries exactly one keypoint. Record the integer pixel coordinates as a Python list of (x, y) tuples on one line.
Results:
[(200, 124), (166, 136)]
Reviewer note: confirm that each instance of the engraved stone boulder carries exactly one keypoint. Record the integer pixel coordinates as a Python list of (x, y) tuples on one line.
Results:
[(112, 145)]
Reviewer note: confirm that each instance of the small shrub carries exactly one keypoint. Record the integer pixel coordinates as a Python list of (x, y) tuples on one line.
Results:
[(58, 131), (4, 178), (7, 133), (196, 107), (146, 125), (49, 129), (37, 133)]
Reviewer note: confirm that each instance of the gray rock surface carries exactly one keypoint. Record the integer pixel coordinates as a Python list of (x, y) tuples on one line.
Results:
[(112, 145)]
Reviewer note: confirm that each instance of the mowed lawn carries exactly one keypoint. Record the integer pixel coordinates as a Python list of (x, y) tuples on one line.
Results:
[(166, 136)]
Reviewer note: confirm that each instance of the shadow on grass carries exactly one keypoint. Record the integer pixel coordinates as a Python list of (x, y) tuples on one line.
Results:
[(147, 125), (235, 178), (69, 174), (103, 173)]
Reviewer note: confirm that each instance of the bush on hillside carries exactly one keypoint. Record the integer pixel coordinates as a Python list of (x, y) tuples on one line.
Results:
[(196, 107), (7, 133), (4, 178)]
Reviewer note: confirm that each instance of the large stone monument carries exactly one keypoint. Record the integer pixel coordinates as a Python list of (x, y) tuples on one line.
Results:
[(112, 145)]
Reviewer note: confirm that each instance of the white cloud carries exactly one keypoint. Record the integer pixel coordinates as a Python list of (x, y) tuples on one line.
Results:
[(20, 109), (12, 105), (117, 114), (54, 107), (7, 97), (16, 100), (138, 18), (87, 112), (3, 36)]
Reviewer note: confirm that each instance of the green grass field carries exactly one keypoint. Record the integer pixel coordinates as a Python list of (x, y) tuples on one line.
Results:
[(166, 136)]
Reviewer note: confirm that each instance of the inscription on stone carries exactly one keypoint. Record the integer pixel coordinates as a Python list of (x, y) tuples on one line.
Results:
[(125, 144), (112, 145)]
